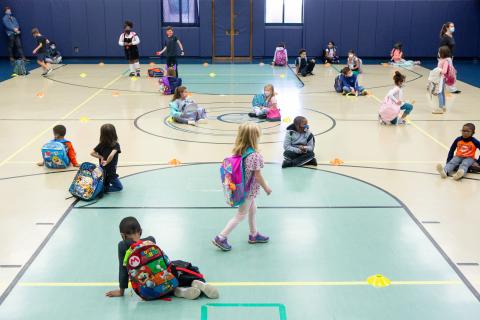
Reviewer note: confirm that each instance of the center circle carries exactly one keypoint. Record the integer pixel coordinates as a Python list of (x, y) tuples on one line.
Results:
[(238, 117)]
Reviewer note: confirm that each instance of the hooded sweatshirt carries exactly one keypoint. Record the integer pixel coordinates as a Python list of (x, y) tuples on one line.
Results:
[(295, 139)]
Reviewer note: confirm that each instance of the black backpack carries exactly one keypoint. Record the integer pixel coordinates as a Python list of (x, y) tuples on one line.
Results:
[(185, 273), (338, 83)]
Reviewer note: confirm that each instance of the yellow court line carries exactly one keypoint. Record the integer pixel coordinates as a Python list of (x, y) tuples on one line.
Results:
[(417, 127), (253, 284), (63, 118)]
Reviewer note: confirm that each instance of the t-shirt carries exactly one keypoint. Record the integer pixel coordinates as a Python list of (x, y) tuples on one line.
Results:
[(301, 62), (122, 250), (464, 148), (253, 162), (171, 44), (111, 168), (43, 41), (448, 41)]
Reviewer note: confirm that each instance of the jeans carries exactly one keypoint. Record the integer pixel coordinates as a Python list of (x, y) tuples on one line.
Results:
[(348, 90), (308, 68), (461, 163), (407, 108), (114, 185), (298, 159), (15, 41), (441, 95)]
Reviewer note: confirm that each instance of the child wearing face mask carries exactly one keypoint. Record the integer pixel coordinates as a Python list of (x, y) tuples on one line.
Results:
[(262, 102), (330, 53), (393, 103), (349, 83), (129, 40), (354, 62), (299, 144)]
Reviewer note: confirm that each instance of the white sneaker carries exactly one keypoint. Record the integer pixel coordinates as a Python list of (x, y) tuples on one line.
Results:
[(209, 290), (459, 174), (189, 293), (441, 170), (192, 123), (438, 111)]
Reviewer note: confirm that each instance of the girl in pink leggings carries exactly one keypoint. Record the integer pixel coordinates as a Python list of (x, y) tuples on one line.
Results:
[(247, 142)]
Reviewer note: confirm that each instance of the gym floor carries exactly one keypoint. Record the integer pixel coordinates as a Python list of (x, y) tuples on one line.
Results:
[(382, 211)]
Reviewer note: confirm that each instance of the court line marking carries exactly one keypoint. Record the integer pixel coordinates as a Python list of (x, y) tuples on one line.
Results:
[(90, 207), (416, 127), (258, 283), (39, 135)]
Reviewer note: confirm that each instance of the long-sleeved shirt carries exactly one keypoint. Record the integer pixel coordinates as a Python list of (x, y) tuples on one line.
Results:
[(463, 148), (72, 155), (294, 139), (350, 82), (128, 39), (122, 270), (395, 94), (178, 106), (10, 23), (443, 64), (396, 55)]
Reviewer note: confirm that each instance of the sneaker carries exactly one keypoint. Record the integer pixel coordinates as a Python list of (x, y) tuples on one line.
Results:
[(262, 116), (438, 111), (222, 244), (189, 293), (286, 164), (312, 162), (456, 91), (132, 74), (192, 123), (400, 121), (48, 72), (364, 93), (441, 170), (258, 238), (459, 174), (252, 114), (209, 290)]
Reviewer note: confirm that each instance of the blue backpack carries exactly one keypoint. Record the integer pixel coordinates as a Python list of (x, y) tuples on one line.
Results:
[(338, 83), (88, 182), (259, 100), (55, 154)]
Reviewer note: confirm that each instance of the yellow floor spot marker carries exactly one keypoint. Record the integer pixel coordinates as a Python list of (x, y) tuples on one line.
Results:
[(287, 120), (205, 64), (134, 78), (170, 120), (212, 74), (40, 94), (379, 281), (14, 75), (336, 162), (282, 75), (174, 162), (84, 119), (83, 75), (115, 93)]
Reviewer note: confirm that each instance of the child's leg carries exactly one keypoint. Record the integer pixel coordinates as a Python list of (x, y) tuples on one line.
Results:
[(115, 185), (407, 108), (242, 212), (394, 121), (42, 64), (252, 224), (466, 164), (136, 64), (346, 90), (180, 120), (310, 66), (131, 66), (441, 95), (452, 165)]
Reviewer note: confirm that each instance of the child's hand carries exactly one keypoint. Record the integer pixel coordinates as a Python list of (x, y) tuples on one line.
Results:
[(114, 293), (268, 191), (182, 53), (103, 163), (158, 53), (40, 164), (76, 165), (34, 51)]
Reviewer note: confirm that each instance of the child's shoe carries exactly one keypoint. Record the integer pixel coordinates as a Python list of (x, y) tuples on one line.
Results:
[(459, 174), (400, 121), (258, 238), (132, 74), (222, 244), (209, 290), (438, 111), (252, 114), (189, 293), (192, 123), (441, 170), (137, 74)]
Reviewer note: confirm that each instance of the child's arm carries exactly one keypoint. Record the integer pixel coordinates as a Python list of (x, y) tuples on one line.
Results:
[(288, 146), (122, 273), (72, 155), (135, 40), (262, 183), (110, 157), (96, 155), (181, 47), (37, 48), (310, 145), (159, 53), (451, 152)]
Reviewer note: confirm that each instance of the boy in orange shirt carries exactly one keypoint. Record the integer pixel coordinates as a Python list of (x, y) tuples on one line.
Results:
[(59, 132), (466, 146)]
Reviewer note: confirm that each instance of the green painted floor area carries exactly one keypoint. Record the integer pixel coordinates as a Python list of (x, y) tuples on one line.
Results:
[(240, 79), (324, 227)]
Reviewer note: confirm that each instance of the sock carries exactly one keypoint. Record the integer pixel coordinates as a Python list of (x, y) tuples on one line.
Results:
[(132, 68), (137, 66), (221, 237)]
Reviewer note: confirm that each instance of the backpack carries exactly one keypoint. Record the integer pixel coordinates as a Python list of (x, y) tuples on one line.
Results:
[(19, 68), (88, 182), (259, 100), (337, 85), (155, 72), (434, 78), (165, 85), (451, 76), (232, 173), (55, 154), (388, 110), (185, 273), (281, 57), (148, 270), (273, 114)]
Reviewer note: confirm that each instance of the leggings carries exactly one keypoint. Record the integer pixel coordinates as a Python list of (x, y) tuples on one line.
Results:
[(248, 207), (407, 108)]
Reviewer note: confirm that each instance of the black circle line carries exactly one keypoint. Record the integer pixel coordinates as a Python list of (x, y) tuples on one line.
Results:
[(334, 123)]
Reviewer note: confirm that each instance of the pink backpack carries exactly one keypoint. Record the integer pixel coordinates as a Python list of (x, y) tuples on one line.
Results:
[(451, 76), (281, 57), (273, 114), (388, 110), (232, 173)]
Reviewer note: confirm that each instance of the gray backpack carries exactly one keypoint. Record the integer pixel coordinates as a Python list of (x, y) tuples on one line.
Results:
[(19, 68)]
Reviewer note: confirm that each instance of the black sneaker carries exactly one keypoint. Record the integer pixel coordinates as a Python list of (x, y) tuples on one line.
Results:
[(262, 116), (252, 115), (286, 164), (132, 74), (312, 162), (456, 91), (138, 74)]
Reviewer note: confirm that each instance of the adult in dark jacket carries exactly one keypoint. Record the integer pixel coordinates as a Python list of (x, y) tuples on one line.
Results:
[(12, 28), (447, 39), (299, 144)]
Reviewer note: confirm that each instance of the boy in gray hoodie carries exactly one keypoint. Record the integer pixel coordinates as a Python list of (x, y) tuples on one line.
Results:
[(299, 144)]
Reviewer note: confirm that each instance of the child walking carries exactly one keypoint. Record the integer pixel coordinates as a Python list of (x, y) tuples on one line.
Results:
[(170, 47), (129, 40), (461, 154), (107, 152), (40, 51), (393, 103), (184, 110), (350, 83), (330, 53), (262, 102), (444, 65), (247, 143), (59, 132)]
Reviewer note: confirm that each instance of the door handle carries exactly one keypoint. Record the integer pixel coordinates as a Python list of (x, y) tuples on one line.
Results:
[(235, 33)]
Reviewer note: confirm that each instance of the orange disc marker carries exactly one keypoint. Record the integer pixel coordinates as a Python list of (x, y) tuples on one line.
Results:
[(40, 94), (336, 162), (174, 162)]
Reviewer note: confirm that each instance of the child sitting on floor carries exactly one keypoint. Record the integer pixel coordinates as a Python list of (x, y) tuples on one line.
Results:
[(354, 62), (170, 82), (280, 57), (350, 83), (464, 149), (59, 132), (303, 65), (393, 103), (131, 233), (184, 110), (330, 53), (396, 56), (299, 144), (262, 102)]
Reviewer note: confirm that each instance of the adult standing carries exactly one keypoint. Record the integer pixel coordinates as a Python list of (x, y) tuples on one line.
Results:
[(447, 39), (12, 28)]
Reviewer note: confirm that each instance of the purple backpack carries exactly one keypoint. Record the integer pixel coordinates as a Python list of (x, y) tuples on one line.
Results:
[(232, 172)]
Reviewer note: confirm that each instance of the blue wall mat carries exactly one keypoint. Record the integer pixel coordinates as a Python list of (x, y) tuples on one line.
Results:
[(370, 26), (222, 24)]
